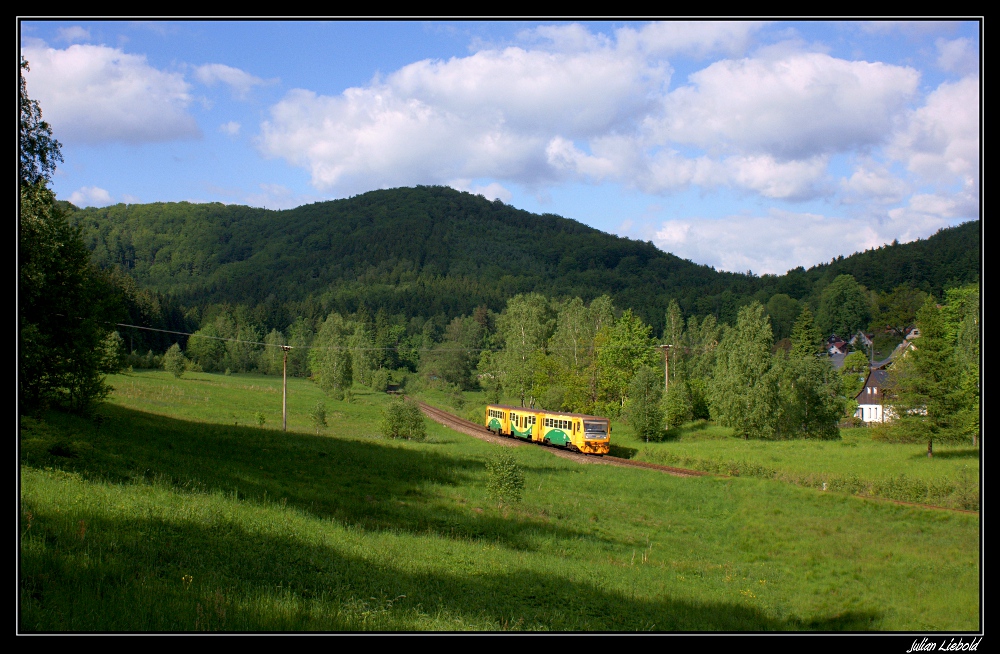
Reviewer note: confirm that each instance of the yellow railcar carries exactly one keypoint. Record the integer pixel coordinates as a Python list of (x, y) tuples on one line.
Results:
[(574, 431)]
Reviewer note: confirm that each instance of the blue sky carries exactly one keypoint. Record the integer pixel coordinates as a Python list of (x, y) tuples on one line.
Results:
[(744, 145)]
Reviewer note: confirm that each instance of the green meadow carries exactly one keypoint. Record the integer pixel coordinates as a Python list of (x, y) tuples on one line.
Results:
[(172, 510), (855, 464)]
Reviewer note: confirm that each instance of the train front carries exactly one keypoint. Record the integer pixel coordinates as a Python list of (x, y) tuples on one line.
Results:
[(596, 435)]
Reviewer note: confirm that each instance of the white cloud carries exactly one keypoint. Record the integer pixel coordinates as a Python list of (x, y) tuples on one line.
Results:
[(72, 34), (941, 138), (872, 182), (581, 93), (564, 38), (781, 240), (97, 94), (799, 106), (492, 191), (563, 154), (623, 160), (490, 114), (931, 207), (693, 38), (958, 56), (240, 82), (790, 180), (581, 106), (90, 196), (232, 128)]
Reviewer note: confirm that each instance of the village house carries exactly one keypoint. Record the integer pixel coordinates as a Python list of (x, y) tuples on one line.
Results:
[(870, 399)]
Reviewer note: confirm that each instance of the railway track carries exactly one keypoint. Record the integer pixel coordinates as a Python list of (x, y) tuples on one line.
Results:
[(478, 431)]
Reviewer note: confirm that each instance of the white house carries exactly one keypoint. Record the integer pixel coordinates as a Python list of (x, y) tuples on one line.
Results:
[(870, 399)]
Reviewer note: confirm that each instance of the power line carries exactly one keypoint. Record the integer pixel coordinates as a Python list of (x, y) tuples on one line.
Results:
[(342, 347)]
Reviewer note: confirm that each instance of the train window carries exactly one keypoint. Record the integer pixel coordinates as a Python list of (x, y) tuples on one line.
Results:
[(595, 429)]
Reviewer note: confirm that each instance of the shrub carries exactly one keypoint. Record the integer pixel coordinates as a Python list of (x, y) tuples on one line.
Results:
[(905, 430), (506, 479), (456, 398), (401, 418), (380, 380), (318, 416), (174, 361)]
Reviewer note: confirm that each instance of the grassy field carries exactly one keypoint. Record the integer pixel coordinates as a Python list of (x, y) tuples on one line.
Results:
[(854, 464), (170, 512)]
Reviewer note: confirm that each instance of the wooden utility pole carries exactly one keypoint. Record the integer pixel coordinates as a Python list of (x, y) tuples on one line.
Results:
[(284, 387)]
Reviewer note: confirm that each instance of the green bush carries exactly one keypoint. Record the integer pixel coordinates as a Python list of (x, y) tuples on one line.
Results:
[(906, 430), (318, 416), (380, 380), (506, 480), (401, 418), (174, 361)]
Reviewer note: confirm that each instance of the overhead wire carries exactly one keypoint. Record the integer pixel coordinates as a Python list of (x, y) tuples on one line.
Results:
[(335, 347)]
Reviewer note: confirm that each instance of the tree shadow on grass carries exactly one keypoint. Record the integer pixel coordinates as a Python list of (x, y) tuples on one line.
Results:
[(155, 574), (371, 484), (622, 451), (966, 453)]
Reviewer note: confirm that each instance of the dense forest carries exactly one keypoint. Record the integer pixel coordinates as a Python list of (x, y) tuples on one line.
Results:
[(431, 286), (437, 252)]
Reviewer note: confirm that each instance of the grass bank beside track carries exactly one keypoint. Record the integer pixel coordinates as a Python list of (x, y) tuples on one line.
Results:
[(855, 464), (164, 515)]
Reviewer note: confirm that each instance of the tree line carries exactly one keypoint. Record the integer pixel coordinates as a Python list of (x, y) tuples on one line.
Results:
[(454, 281), (427, 251)]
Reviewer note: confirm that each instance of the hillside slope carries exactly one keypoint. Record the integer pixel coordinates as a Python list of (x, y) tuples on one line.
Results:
[(434, 250)]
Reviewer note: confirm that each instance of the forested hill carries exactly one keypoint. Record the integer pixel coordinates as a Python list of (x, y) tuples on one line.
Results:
[(417, 251), (432, 250)]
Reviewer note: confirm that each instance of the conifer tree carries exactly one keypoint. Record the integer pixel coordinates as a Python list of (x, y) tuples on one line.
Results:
[(924, 387), (807, 339)]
